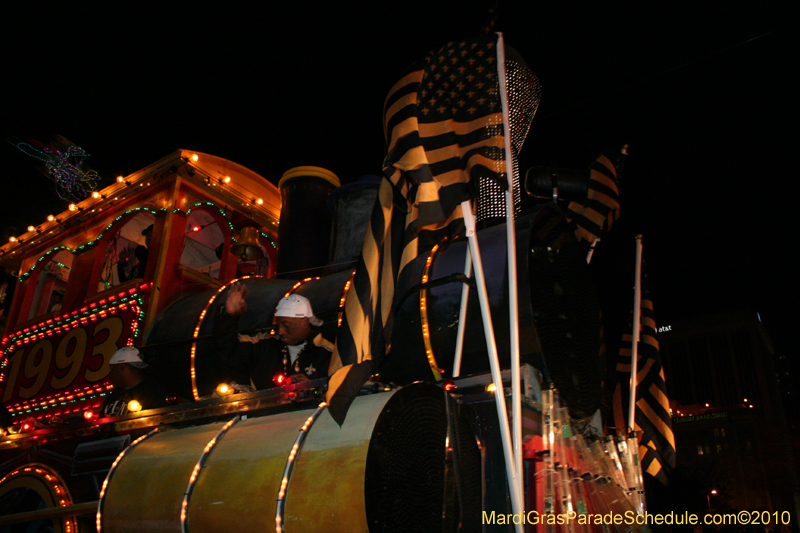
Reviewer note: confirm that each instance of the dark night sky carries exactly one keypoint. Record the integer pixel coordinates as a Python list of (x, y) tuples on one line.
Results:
[(704, 92)]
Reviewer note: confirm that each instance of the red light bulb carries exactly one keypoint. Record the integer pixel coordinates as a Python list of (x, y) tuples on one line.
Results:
[(281, 379)]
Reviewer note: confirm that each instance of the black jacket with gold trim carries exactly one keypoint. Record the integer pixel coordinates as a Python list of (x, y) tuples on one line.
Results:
[(262, 356)]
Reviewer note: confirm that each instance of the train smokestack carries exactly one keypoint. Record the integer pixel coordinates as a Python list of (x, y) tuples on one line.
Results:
[(305, 222)]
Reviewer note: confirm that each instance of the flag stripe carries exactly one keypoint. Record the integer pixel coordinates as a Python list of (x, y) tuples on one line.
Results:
[(484, 157), (402, 90), (643, 370), (403, 111), (458, 156), (448, 132), (595, 215), (654, 468), (339, 377), (660, 397), (663, 427), (408, 143)]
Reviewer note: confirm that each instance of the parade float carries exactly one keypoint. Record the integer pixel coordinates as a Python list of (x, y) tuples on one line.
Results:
[(462, 428)]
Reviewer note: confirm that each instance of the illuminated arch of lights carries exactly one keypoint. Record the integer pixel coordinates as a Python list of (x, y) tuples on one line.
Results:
[(296, 285), (287, 471), (222, 212), (196, 472), (55, 485), (423, 312), (101, 502), (196, 332), (26, 275), (205, 203), (269, 238)]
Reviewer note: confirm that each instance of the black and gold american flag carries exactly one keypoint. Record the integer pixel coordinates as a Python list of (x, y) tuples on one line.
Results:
[(444, 130), (651, 419), (596, 214)]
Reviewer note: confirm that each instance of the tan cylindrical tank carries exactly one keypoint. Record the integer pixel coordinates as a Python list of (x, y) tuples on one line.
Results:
[(390, 467), (238, 486)]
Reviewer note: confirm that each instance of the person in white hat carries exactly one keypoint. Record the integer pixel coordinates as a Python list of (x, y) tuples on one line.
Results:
[(299, 349), (131, 382)]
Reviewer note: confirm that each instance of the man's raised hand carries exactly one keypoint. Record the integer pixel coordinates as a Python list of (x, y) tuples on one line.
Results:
[(235, 304)]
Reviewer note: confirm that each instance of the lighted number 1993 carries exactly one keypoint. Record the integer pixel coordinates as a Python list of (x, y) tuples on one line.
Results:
[(53, 364)]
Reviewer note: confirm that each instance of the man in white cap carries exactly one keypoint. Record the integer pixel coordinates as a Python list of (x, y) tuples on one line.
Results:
[(299, 348), (131, 382)]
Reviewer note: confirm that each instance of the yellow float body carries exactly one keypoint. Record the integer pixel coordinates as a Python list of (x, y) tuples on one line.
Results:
[(389, 467), (237, 488)]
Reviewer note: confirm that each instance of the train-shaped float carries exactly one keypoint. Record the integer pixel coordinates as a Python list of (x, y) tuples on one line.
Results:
[(147, 261)]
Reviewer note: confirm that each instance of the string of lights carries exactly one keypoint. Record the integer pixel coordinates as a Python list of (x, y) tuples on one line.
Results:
[(209, 204), (53, 482), (130, 299), (247, 199), (296, 285), (196, 333), (287, 471), (423, 312), (196, 472), (89, 244), (101, 502), (269, 238)]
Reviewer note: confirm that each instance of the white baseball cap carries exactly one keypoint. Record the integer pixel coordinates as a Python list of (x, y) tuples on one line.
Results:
[(294, 305), (129, 355)]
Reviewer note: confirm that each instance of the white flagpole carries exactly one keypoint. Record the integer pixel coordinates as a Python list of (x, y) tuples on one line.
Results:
[(462, 317), (494, 362), (513, 304), (591, 251), (637, 314)]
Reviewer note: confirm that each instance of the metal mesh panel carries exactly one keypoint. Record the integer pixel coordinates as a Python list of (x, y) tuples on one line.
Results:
[(409, 475), (567, 313), (524, 93)]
